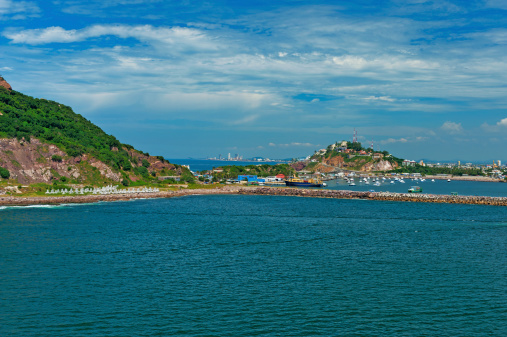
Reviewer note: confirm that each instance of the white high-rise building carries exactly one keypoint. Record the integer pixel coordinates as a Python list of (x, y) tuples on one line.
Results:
[(229, 157)]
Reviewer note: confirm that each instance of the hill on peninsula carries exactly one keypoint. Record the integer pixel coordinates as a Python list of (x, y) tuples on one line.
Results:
[(42, 141), (348, 156)]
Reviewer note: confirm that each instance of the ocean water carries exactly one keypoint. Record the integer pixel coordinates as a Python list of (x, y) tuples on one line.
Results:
[(253, 266), (203, 164)]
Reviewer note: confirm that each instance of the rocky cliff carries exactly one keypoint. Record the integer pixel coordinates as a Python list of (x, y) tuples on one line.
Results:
[(37, 162), (4, 84), (360, 163), (381, 165)]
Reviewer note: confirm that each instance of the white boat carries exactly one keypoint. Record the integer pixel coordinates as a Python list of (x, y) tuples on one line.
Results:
[(448, 180), (352, 184)]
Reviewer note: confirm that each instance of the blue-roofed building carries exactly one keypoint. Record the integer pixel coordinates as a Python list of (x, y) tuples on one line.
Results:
[(248, 178)]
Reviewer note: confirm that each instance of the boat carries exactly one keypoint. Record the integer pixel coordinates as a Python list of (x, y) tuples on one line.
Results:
[(298, 182), (352, 183), (415, 189), (448, 180)]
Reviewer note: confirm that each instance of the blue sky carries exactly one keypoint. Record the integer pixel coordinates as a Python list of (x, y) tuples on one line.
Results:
[(422, 79)]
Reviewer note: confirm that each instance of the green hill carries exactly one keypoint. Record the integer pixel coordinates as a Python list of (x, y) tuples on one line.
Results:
[(45, 141)]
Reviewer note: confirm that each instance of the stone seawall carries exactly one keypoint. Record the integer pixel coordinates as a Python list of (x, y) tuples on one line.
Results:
[(385, 196), (275, 191)]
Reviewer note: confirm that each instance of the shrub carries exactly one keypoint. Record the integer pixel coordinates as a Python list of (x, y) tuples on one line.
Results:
[(125, 182), (57, 158), (4, 173), (146, 163)]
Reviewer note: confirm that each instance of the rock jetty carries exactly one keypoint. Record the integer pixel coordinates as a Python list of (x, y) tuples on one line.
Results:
[(248, 190), (383, 196)]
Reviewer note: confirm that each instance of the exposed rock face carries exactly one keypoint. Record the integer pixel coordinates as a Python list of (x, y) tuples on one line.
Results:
[(31, 162), (3, 83), (155, 163), (334, 161), (382, 165)]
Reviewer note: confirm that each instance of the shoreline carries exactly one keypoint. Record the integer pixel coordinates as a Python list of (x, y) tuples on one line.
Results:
[(274, 191)]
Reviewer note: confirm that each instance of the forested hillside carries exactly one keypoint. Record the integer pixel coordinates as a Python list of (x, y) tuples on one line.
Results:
[(55, 123), (73, 139)]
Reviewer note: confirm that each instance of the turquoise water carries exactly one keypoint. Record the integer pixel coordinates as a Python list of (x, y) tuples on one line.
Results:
[(253, 265)]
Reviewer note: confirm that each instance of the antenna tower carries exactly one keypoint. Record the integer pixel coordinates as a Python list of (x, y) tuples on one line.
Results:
[(354, 139)]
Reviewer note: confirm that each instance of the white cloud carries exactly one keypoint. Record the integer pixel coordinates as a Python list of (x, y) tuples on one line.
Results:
[(393, 140), (499, 126), (403, 140), (176, 36), (503, 122), (452, 128), (18, 10), (380, 98)]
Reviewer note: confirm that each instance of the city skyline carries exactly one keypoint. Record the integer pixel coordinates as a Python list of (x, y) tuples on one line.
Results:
[(422, 79)]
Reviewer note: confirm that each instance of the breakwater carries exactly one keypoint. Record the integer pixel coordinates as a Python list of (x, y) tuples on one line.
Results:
[(384, 196), (250, 190)]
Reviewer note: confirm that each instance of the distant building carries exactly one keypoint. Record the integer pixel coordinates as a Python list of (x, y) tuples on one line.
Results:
[(377, 156), (248, 178), (407, 162)]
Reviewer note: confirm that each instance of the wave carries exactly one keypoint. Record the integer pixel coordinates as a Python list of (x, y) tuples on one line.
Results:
[(45, 206)]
